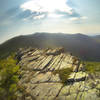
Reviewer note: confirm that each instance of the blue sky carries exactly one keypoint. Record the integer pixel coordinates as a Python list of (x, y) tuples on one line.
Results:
[(19, 17)]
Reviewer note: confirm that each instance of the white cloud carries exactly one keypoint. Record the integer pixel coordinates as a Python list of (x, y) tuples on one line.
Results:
[(53, 15), (39, 16), (74, 18), (84, 17), (78, 18), (47, 6)]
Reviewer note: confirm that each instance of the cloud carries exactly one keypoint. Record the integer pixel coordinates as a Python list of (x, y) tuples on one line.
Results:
[(40, 9), (84, 17), (74, 18), (24, 14), (66, 15), (53, 15), (47, 6), (78, 20), (39, 16), (32, 10)]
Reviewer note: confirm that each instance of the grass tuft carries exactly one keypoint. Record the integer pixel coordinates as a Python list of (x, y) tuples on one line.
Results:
[(92, 67), (63, 74)]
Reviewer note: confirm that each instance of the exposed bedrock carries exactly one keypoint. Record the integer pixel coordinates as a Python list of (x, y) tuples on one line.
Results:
[(40, 83)]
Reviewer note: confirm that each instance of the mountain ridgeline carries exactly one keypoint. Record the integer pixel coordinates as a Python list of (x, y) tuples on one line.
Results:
[(83, 46)]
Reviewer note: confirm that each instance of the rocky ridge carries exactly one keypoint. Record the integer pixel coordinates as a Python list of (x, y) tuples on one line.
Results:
[(39, 82)]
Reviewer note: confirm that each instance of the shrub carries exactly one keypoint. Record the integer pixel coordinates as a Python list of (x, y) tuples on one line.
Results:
[(8, 78)]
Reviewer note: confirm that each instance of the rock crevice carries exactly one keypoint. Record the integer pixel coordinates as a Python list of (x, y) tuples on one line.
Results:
[(37, 78)]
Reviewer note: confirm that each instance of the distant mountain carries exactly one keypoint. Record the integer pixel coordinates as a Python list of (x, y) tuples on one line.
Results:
[(86, 47), (97, 38)]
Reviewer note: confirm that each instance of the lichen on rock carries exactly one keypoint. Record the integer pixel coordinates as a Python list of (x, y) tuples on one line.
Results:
[(44, 70)]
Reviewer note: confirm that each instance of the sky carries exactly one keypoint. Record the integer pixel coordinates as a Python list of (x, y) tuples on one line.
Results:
[(21, 17)]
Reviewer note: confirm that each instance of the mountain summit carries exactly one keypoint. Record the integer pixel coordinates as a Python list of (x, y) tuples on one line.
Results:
[(52, 74)]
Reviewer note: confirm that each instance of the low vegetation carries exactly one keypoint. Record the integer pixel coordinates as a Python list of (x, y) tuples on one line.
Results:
[(92, 67), (63, 74), (8, 78)]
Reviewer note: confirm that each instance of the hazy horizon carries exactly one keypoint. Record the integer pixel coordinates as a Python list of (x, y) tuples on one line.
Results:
[(1, 42)]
